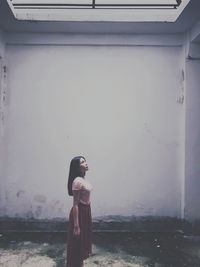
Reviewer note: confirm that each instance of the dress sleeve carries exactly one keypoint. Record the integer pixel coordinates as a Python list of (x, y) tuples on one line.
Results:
[(77, 185)]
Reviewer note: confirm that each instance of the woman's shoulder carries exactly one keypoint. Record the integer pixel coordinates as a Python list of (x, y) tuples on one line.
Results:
[(77, 183), (79, 179)]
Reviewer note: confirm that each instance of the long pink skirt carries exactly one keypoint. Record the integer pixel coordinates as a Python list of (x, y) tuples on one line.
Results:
[(79, 247)]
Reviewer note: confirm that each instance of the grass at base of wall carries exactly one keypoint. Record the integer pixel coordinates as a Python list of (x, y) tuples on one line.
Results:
[(109, 249)]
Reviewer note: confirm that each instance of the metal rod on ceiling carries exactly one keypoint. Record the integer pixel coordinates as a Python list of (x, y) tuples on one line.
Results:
[(93, 4)]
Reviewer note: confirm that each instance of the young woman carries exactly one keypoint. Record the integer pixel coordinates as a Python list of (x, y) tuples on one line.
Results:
[(79, 239)]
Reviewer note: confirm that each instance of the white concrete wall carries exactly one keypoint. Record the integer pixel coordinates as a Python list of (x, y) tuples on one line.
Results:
[(192, 166), (116, 105)]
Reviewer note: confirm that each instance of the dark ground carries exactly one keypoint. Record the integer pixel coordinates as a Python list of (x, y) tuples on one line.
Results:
[(109, 249)]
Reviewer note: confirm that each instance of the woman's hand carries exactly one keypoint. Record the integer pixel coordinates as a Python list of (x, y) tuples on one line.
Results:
[(76, 231)]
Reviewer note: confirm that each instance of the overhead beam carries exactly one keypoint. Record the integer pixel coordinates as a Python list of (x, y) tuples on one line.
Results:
[(193, 42), (195, 33)]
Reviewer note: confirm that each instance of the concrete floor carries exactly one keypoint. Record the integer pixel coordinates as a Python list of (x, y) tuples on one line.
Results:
[(109, 249)]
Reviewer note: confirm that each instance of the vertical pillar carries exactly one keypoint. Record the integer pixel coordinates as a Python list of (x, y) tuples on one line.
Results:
[(192, 133), (2, 122)]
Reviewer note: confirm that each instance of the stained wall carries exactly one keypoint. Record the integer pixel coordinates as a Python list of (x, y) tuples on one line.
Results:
[(118, 104)]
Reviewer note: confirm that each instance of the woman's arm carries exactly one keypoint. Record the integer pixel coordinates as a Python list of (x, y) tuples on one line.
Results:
[(76, 194)]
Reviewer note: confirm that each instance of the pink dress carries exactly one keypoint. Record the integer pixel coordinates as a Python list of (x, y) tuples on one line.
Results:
[(79, 248)]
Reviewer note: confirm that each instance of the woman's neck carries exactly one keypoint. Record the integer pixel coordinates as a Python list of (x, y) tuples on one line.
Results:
[(83, 175)]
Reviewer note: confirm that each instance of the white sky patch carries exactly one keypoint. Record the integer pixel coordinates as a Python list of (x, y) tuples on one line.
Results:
[(135, 2)]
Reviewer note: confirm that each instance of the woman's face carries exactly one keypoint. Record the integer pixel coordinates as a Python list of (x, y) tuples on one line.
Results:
[(83, 165)]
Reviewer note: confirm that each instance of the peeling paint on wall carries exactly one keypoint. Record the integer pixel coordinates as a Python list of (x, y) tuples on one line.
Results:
[(19, 193), (40, 198), (181, 96), (38, 211), (3, 95)]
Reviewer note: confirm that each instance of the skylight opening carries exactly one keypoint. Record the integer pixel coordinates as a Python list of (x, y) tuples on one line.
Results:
[(98, 10), (96, 4)]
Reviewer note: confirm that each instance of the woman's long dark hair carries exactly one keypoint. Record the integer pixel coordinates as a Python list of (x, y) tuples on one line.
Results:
[(74, 171)]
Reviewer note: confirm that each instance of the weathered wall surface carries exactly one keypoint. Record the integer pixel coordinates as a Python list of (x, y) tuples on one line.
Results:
[(119, 106), (192, 166), (191, 184)]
